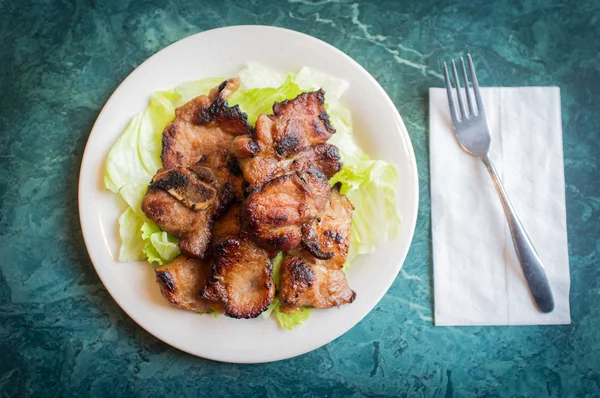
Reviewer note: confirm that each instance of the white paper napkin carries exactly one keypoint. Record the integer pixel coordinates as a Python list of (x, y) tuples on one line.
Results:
[(477, 276)]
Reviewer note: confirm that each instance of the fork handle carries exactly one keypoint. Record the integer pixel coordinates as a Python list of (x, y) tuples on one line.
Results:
[(534, 271)]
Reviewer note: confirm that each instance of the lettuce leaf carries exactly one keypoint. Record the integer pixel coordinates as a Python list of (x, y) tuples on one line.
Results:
[(259, 76), (287, 321), (159, 246), (132, 248), (260, 100), (309, 79), (272, 307), (190, 90), (276, 263), (133, 194), (343, 138), (290, 321), (371, 185), (135, 157), (124, 165)]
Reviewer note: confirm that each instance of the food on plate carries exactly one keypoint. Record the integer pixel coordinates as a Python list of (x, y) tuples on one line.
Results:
[(181, 280), (241, 275), (261, 188), (280, 202)]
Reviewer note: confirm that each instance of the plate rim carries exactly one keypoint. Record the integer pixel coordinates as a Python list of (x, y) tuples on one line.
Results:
[(414, 180)]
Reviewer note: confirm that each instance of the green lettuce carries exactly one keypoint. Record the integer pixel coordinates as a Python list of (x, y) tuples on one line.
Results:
[(132, 247), (159, 246), (309, 79), (260, 100), (371, 186), (135, 157), (190, 90), (290, 321), (276, 264), (259, 76), (277, 261), (286, 321)]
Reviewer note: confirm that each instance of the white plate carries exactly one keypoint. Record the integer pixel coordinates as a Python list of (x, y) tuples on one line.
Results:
[(223, 52)]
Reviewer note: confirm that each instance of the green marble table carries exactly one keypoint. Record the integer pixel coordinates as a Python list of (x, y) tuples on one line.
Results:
[(61, 334)]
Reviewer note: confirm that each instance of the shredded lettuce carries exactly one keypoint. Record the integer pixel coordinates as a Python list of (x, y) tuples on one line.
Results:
[(371, 185)]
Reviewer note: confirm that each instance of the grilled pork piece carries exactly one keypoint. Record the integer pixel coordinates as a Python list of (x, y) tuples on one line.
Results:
[(307, 281), (274, 213), (289, 140), (313, 276), (182, 279), (327, 235), (183, 203), (202, 133), (241, 274)]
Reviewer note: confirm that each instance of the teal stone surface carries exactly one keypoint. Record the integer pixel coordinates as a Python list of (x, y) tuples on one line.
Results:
[(61, 334)]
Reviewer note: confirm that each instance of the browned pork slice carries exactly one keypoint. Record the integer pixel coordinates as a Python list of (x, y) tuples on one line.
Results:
[(182, 279), (202, 133), (183, 203), (309, 282), (241, 275), (274, 213), (327, 236), (291, 139)]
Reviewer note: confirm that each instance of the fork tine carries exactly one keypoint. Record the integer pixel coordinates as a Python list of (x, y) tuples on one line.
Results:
[(449, 92), (467, 91), (461, 102), (475, 83)]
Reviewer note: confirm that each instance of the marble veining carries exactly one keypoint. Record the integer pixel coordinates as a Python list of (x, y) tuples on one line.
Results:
[(61, 334)]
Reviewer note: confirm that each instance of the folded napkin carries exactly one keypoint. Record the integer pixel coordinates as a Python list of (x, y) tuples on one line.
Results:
[(477, 277)]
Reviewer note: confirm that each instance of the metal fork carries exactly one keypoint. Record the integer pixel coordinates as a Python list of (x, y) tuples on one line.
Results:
[(473, 135)]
